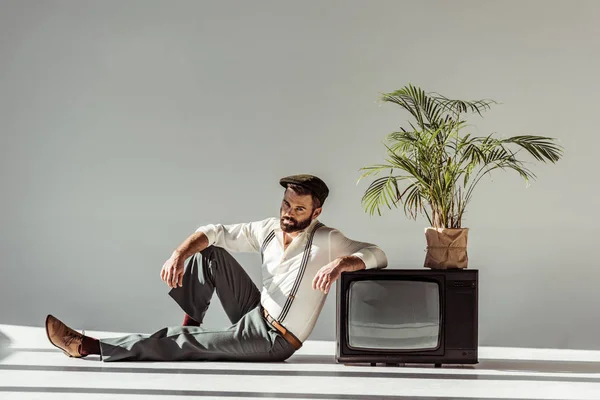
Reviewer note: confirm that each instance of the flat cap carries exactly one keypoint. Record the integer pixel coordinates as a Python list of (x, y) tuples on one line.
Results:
[(310, 182)]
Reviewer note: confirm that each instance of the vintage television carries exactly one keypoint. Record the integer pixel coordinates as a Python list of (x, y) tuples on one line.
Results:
[(397, 316)]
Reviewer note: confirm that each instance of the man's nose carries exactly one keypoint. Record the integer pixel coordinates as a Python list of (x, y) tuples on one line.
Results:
[(288, 213)]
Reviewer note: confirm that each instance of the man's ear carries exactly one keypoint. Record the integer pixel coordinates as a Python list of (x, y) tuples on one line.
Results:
[(317, 212)]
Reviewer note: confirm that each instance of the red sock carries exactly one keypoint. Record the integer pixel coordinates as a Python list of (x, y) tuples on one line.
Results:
[(89, 345), (189, 321)]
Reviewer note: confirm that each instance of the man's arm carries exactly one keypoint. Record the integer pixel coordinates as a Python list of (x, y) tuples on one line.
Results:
[(235, 237), (172, 270), (197, 242), (350, 263), (350, 255), (349, 251), (332, 271)]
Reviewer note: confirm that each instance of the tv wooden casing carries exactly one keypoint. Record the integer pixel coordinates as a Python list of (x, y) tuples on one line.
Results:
[(459, 298)]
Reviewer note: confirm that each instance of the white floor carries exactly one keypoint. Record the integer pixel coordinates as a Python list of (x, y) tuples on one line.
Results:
[(30, 368)]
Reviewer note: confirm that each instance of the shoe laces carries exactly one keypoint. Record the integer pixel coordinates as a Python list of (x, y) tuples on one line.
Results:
[(71, 336)]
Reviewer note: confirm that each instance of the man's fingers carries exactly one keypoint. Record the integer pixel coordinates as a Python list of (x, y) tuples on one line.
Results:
[(318, 282), (180, 279), (315, 281), (168, 277), (323, 283), (174, 278)]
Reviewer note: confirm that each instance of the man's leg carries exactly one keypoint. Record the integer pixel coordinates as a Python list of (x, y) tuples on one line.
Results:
[(251, 338), (214, 268)]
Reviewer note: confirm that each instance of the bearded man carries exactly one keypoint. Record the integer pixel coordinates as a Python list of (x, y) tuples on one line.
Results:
[(301, 258)]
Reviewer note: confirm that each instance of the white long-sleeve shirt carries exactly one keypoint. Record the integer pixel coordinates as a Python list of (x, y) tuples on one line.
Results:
[(287, 292)]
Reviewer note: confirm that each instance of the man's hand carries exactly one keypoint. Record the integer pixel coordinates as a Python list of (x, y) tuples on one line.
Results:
[(332, 271), (327, 275), (172, 271)]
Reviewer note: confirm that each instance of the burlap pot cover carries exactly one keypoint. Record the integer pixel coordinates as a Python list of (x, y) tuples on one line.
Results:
[(446, 248)]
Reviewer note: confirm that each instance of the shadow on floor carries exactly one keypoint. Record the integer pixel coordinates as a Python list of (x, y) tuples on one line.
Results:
[(4, 346), (523, 366), (577, 367), (310, 359)]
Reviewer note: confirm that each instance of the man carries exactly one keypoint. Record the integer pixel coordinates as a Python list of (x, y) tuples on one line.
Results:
[(301, 258)]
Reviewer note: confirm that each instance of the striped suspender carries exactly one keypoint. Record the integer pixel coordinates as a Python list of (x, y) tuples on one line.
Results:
[(266, 242), (292, 295), (305, 258)]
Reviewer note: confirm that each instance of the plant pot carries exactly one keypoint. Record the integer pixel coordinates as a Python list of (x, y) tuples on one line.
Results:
[(446, 248)]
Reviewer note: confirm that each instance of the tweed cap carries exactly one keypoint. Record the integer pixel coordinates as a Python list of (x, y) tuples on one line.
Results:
[(310, 182)]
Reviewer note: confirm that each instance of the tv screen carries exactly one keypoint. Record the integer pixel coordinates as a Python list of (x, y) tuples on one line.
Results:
[(398, 315)]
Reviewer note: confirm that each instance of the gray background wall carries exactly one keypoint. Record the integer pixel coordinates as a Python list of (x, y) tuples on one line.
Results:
[(126, 124)]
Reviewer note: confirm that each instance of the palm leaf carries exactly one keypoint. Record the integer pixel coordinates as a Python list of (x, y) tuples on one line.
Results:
[(540, 147), (444, 167), (383, 191)]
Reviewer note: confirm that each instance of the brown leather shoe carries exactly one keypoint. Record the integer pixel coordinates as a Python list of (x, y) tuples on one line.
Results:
[(63, 337)]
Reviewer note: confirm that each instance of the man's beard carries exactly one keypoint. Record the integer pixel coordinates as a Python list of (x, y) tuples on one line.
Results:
[(290, 225)]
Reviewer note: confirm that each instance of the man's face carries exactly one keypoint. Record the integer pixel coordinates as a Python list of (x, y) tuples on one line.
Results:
[(296, 211)]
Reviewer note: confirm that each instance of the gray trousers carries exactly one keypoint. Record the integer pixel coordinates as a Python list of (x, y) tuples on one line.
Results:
[(250, 338)]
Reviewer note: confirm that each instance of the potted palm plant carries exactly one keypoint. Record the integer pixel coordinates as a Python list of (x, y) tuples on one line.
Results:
[(433, 167)]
